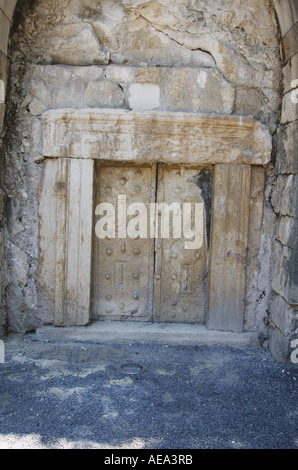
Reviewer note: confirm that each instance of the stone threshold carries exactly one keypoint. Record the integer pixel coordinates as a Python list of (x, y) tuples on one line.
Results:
[(109, 331)]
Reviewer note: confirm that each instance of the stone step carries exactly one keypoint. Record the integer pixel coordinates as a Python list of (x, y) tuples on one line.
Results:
[(107, 331)]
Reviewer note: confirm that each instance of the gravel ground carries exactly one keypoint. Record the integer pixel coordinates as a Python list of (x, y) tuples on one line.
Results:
[(56, 395)]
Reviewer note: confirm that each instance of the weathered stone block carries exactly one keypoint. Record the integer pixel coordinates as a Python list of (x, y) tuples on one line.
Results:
[(249, 102), (36, 138), (290, 73), (1, 245), (287, 150), (104, 93), (77, 44), (289, 43), (157, 49), (39, 89), (37, 107), (148, 75), (144, 96), (256, 209), (8, 6), (69, 94), (4, 32), (4, 64), (155, 136), (289, 111), (280, 345), (284, 198), (284, 272), (53, 75), (203, 90), (120, 74), (287, 14), (87, 73), (286, 231), (282, 315)]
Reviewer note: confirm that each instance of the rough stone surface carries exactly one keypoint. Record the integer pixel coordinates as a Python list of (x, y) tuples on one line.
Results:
[(289, 109), (289, 43), (284, 265), (203, 58), (203, 90), (178, 137), (283, 308), (290, 74), (286, 229), (285, 195), (287, 151), (146, 332), (287, 13), (283, 316), (250, 102), (102, 94)]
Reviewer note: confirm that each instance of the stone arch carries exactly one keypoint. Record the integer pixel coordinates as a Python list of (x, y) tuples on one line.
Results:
[(282, 299)]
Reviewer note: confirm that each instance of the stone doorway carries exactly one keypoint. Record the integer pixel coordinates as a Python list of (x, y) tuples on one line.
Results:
[(152, 275), (163, 155)]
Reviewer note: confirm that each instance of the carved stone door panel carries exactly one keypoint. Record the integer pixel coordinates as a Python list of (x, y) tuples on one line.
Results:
[(130, 272), (123, 265), (181, 265)]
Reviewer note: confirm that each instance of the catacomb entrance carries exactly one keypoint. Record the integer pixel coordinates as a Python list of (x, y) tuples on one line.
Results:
[(152, 272), (94, 156)]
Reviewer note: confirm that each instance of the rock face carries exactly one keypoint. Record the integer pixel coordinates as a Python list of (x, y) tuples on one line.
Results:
[(130, 55)]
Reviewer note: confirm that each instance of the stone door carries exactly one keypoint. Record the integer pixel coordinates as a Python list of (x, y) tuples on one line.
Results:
[(181, 270), (123, 266), (143, 272)]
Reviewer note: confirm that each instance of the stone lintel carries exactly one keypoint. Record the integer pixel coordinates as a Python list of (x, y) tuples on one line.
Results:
[(155, 136)]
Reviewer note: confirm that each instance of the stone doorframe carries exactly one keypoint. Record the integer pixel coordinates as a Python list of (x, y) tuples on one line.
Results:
[(237, 146)]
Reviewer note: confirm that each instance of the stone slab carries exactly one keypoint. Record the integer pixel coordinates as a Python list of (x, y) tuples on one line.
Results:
[(4, 31), (8, 6), (284, 269), (287, 13), (287, 150), (289, 111), (289, 44), (65, 234), (155, 136), (229, 235), (107, 331), (290, 74)]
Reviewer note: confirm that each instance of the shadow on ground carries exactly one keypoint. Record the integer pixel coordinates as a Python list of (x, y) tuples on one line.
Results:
[(75, 395)]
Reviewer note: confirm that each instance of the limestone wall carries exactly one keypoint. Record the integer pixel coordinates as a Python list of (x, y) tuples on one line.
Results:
[(209, 57), (284, 301)]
